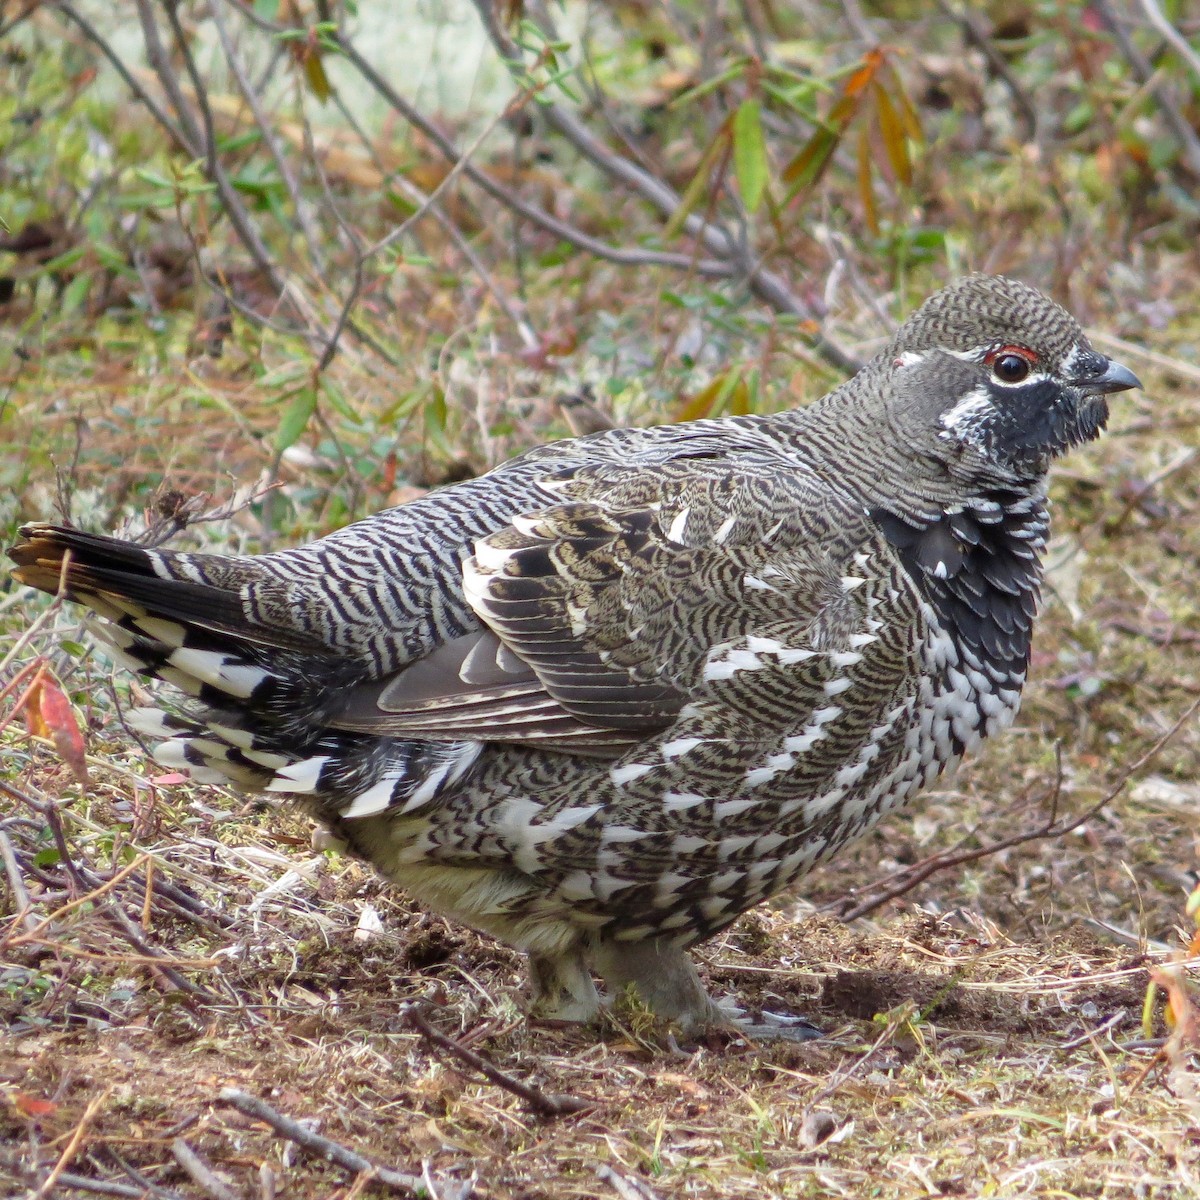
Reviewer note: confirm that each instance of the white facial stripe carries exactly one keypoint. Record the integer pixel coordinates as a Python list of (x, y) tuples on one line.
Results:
[(975, 405)]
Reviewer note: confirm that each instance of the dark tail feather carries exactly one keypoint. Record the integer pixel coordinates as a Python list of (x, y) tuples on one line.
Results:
[(119, 579), (266, 695)]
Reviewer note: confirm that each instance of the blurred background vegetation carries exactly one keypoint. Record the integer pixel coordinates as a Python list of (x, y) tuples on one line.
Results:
[(323, 254)]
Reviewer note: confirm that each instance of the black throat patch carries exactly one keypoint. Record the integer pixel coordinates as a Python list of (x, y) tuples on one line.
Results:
[(979, 567)]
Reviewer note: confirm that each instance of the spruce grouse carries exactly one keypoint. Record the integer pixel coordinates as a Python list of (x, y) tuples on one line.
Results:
[(605, 698)]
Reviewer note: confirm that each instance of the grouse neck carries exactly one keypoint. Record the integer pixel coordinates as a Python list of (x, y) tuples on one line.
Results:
[(979, 567)]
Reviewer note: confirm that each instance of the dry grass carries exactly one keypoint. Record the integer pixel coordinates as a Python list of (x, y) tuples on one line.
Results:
[(983, 1030)]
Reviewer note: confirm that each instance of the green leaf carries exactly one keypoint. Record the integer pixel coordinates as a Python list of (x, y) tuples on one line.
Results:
[(337, 398), (895, 141), (68, 258), (697, 190), (291, 426), (75, 293), (750, 162), (865, 192)]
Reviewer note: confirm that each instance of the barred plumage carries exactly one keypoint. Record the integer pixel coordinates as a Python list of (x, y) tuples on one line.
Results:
[(607, 697)]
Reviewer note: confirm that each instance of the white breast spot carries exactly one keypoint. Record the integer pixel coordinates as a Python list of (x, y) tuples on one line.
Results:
[(732, 808), (628, 772), (730, 664), (755, 584), (681, 801), (622, 833), (679, 746), (678, 527), (844, 658)]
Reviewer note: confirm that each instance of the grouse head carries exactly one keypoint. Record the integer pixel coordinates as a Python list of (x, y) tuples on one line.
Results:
[(1001, 376)]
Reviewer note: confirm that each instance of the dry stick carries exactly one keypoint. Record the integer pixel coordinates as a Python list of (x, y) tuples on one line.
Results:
[(148, 1186), (12, 868), (623, 256), (767, 286), (200, 1172), (160, 115), (72, 1146), (1174, 38), (265, 129), (322, 1147), (34, 934), (1144, 70), (205, 135), (1183, 458), (103, 1187), (978, 37), (627, 1189), (911, 876), (543, 1103), (147, 955)]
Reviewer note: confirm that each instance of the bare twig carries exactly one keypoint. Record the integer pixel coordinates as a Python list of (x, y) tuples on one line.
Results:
[(322, 1147), (231, 202), (627, 1189), (1144, 70), (72, 1146), (729, 248), (12, 869), (102, 1187), (151, 105), (543, 1103), (200, 1172), (250, 94), (908, 878), (148, 1186), (1171, 35), (969, 22)]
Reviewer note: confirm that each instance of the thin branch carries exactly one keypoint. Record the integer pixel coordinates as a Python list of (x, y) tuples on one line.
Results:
[(322, 1147), (246, 230), (1144, 70), (250, 94), (102, 1187), (1171, 35), (151, 104), (542, 1103), (721, 241), (531, 212), (977, 35), (200, 1172), (12, 869), (72, 1146)]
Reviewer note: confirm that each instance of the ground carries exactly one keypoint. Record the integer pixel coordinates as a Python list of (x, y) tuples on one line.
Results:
[(983, 1030), (990, 969)]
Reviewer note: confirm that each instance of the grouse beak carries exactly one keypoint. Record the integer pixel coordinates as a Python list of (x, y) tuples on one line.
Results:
[(1113, 378)]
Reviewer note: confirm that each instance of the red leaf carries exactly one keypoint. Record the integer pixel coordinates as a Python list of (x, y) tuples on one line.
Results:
[(48, 714), (33, 1106)]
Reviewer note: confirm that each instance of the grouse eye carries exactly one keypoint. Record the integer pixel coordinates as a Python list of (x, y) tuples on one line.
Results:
[(1010, 368)]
